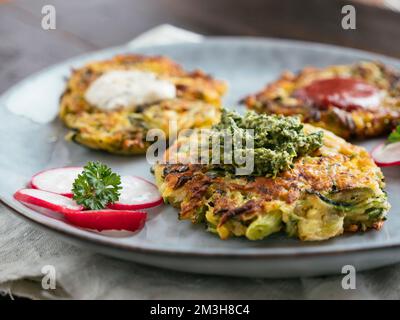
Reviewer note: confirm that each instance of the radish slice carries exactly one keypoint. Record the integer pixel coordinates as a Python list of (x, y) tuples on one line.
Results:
[(108, 219), (47, 200), (386, 155), (58, 180), (136, 194), (74, 213)]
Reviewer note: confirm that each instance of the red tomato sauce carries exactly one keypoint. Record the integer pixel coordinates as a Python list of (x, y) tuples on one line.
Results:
[(345, 93)]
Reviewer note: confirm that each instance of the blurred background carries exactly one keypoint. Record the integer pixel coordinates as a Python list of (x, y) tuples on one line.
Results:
[(89, 25)]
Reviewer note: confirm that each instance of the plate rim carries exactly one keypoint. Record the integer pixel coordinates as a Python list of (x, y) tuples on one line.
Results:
[(262, 253), (94, 239)]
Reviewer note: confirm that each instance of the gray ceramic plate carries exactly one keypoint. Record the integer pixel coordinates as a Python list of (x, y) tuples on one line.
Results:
[(28, 147)]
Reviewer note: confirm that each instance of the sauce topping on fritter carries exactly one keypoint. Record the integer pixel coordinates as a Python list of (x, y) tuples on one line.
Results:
[(344, 93), (124, 88), (272, 142)]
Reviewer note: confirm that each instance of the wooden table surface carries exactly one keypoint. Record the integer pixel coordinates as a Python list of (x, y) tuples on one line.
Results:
[(89, 25)]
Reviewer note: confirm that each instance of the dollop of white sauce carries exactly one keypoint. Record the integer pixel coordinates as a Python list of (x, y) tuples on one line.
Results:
[(123, 88)]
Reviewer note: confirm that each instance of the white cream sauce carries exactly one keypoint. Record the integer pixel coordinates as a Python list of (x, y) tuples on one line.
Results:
[(125, 88)]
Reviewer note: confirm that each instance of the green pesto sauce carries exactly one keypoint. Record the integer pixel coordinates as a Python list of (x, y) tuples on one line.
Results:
[(278, 140)]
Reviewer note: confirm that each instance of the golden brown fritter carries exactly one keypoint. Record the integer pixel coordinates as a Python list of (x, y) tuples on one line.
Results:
[(123, 131), (280, 97), (338, 188)]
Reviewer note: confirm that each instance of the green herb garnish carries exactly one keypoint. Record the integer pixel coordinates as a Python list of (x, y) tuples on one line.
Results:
[(395, 135), (96, 187), (278, 140)]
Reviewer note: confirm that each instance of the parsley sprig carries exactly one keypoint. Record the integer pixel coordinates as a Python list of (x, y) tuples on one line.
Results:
[(395, 135), (96, 187)]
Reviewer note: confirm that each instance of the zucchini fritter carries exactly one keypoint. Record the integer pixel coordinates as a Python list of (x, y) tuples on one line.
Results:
[(349, 120), (123, 130), (337, 188)]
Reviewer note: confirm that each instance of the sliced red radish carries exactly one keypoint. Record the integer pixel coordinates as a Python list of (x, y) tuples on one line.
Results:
[(386, 155), (137, 194), (47, 200), (108, 219), (46, 212), (57, 180)]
